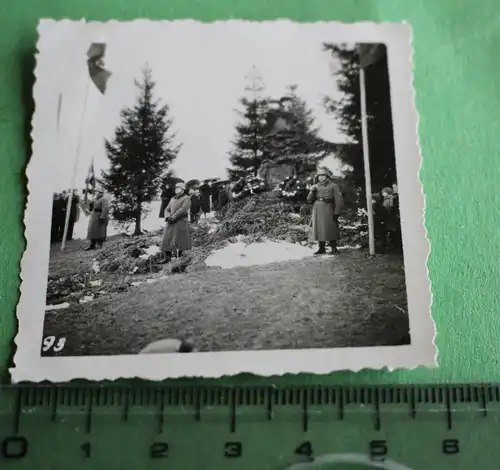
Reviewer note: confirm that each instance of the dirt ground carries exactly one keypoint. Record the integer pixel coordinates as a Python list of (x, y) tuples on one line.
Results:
[(318, 302)]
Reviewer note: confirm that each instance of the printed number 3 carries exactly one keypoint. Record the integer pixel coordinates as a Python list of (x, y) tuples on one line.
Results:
[(51, 342)]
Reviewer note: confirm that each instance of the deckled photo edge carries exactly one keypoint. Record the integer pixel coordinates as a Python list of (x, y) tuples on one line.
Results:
[(30, 366), (423, 325), (423, 197), (23, 309)]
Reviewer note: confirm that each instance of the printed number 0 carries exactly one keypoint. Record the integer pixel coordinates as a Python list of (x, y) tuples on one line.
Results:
[(51, 342), (15, 447)]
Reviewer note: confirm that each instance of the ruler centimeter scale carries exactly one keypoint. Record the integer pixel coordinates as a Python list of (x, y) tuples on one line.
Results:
[(246, 427)]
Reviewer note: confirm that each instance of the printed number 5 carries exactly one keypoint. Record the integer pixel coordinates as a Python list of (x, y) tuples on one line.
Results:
[(51, 342)]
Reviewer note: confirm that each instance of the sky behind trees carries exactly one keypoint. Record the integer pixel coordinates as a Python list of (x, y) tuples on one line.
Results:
[(200, 72)]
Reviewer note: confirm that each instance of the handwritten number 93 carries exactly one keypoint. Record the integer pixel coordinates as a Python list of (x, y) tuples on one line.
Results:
[(53, 343)]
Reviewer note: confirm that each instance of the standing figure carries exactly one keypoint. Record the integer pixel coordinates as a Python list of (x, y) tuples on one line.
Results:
[(74, 213), (215, 188), (177, 235), (205, 191), (224, 196), (392, 223), (398, 238), (328, 204), (58, 212), (98, 220), (63, 208), (195, 208)]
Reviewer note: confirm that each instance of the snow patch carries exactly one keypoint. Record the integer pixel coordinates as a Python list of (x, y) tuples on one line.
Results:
[(86, 299), (150, 251), (242, 254), (49, 308), (350, 247), (95, 267)]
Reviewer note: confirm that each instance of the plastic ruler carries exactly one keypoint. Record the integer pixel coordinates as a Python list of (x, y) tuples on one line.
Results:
[(254, 428)]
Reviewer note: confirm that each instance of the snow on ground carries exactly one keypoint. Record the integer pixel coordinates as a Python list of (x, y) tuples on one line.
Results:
[(241, 254), (62, 306), (150, 251)]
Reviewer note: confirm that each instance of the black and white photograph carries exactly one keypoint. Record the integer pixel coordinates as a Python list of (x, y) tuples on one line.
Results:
[(207, 199)]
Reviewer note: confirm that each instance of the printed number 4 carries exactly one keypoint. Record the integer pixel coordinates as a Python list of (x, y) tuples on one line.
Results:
[(51, 342)]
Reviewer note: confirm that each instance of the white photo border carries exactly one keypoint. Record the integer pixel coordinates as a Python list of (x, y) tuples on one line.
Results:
[(30, 366)]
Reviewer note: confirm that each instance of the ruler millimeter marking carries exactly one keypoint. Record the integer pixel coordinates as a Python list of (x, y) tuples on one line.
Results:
[(237, 423), (92, 400)]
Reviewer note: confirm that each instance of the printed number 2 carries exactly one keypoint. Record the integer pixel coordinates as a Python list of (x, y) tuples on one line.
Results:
[(158, 450), (51, 342)]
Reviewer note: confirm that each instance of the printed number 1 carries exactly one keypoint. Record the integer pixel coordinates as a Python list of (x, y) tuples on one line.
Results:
[(51, 342), (86, 450)]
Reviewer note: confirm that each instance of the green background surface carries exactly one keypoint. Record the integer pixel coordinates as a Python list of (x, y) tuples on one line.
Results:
[(458, 99)]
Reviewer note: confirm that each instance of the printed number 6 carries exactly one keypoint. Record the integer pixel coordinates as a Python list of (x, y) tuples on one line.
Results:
[(51, 342)]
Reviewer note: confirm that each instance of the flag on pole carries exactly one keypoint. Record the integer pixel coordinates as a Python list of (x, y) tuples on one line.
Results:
[(59, 105), (95, 62), (369, 54), (99, 75), (90, 180)]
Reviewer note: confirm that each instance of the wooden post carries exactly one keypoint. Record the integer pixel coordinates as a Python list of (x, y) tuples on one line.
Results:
[(366, 159)]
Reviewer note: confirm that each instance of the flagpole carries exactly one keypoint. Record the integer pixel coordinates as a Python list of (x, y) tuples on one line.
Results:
[(366, 159), (75, 168), (59, 105)]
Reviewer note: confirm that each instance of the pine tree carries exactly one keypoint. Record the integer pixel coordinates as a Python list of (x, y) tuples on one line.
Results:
[(297, 142), (347, 111), (248, 153), (140, 154)]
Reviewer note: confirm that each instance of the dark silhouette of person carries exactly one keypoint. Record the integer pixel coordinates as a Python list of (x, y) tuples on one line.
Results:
[(195, 208), (214, 192), (74, 214), (224, 196), (57, 207), (205, 193)]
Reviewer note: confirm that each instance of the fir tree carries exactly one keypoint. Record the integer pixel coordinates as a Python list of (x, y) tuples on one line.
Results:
[(139, 154), (347, 111), (297, 140), (247, 153)]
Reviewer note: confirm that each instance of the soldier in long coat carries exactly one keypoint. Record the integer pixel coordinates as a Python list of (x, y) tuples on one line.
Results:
[(328, 203), (195, 207), (98, 220), (177, 235), (205, 193)]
